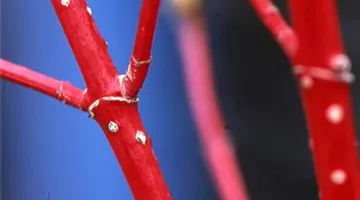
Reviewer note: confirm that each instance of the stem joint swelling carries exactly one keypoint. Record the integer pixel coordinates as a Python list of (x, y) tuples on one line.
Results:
[(137, 62), (97, 102)]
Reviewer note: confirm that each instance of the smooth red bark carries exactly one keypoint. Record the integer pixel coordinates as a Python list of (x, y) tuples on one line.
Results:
[(89, 47), (141, 57), (61, 90), (327, 103), (135, 156), (112, 104), (197, 67), (323, 72), (108, 99)]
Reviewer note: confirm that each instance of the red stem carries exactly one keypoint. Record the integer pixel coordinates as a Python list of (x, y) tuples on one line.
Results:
[(88, 46), (61, 90), (116, 112), (217, 147), (270, 15), (323, 72), (327, 102), (141, 57), (132, 146)]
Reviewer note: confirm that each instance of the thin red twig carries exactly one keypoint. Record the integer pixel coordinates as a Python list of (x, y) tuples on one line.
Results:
[(115, 111), (141, 57), (61, 90), (197, 67), (272, 19), (323, 71)]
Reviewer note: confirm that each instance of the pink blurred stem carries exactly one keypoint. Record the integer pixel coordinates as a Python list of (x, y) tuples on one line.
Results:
[(217, 147)]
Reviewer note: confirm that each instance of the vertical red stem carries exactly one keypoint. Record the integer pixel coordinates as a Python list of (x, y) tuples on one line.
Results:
[(141, 57), (317, 28), (146, 29), (326, 100), (133, 148), (217, 147)]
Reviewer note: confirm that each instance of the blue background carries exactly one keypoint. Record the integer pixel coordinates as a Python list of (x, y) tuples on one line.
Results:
[(49, 149)]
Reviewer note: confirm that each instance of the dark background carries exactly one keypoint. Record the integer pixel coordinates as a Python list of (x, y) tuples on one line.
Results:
[(48, 149)]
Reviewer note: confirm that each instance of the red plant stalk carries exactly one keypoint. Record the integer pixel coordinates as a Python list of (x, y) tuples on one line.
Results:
[(109, 98), (61, 90), (272, 19), (323, 72), (217, 147)]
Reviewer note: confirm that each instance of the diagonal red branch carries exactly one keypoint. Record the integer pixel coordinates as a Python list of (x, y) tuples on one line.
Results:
[(141, 57), (88, 46), (270, 15), (60, 90)]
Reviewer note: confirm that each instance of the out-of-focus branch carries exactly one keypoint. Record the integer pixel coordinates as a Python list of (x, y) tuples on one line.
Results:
[(61, 90), (270, 15), (217, 147)]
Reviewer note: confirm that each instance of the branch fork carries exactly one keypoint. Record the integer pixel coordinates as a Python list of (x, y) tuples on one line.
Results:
[(109, 98)]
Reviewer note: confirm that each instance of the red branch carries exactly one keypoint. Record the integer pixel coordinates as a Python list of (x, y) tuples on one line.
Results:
[(88, 46), (141, 57), (217, 147), (115, 111), (61, 90), (327, 102), (323, 72), (272, 19)]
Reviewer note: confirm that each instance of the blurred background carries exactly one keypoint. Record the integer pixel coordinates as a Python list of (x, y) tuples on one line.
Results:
[(53, 152)]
